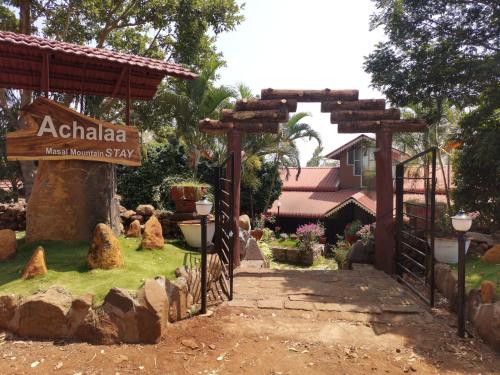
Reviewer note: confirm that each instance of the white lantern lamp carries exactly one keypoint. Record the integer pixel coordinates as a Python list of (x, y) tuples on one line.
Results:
[(203, 206), (461, 221)]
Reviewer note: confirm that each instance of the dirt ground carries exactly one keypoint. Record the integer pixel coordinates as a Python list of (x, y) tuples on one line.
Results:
[(250, 341), (283, 322)]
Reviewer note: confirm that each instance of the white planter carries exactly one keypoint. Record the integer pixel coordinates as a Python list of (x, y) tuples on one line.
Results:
[(446, 249), (191, 231)]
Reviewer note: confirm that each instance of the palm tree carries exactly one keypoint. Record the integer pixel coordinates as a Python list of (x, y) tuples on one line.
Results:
[(282, 148), (442, 125), (199, 99)]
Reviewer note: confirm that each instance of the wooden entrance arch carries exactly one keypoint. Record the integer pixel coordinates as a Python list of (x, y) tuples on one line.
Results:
[(353, 115)]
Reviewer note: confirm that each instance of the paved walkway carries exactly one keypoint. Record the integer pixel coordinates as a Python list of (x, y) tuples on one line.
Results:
[(363, 290)]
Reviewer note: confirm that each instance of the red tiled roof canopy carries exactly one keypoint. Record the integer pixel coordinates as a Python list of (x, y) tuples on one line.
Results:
[(80, 69), (311, 179), (315, 205)]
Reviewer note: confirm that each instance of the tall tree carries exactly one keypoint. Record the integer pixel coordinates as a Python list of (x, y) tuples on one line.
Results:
[(181, 30), (436, 49)]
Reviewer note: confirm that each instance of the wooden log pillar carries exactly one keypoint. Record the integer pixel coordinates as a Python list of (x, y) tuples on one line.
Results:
[(234, 145), (385, 251)]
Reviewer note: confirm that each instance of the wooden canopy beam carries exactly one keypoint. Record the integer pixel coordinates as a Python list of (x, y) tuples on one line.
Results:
[(217, 127), (356, 105), (259, 105), (384, 114), (269, 115), (383, 125), (309, 96)]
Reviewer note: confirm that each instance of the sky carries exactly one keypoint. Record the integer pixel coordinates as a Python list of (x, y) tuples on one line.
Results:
[(303, 44)]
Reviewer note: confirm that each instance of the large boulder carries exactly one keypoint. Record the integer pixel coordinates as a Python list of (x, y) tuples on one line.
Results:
[(177, 291), (8, 244), (487, 323), (44, 314), (120, 306), (69, 198), (245, 223), (152, 237), (36, 265), (105, 251), (152, 312), (492, 255), (126, 215), (134, 229), (97, 328), (142, 319)]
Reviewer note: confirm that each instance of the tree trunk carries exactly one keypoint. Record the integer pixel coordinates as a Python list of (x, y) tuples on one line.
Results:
[(69, 199)]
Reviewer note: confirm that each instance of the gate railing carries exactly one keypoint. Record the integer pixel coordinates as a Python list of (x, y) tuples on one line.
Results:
[(224, 219), (415, 224)]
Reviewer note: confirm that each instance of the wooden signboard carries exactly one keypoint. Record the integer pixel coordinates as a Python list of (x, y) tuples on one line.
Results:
[(56, 132)]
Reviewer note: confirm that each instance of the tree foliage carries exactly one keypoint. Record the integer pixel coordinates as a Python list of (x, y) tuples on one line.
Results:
[(316, 157), (436, 49), (477, 171)]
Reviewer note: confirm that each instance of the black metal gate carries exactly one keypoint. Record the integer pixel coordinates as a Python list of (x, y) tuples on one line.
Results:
[(224, 221), (415, 220)]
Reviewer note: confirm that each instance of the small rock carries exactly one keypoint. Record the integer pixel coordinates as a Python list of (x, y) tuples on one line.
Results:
[(492, 255), (134, 229), (36, 265), (58, 366), (145, 210), (105, 251), (211, 346), (153, 235), (8, 244), (190, 343), (488, 292)]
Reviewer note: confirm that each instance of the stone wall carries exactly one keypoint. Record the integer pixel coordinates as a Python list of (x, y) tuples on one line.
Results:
[(13, 215), (297, 256), (481, 309), (124, 317)]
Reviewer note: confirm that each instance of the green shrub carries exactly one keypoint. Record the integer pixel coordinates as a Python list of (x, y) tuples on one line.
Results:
[(266, 252), (341, 251)]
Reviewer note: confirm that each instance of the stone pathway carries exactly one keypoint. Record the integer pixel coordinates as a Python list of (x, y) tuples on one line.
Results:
[(363, 290)]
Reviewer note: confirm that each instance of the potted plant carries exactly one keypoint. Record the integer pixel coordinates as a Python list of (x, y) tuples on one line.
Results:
[(185, 193), (351, 231), (445, 240)]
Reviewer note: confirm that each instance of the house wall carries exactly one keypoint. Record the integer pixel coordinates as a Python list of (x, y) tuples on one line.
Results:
[(346, 173)]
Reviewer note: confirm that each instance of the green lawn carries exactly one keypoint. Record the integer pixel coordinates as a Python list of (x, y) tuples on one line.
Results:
[(476, 271), (288, 243), (67, 267), (321, 263)]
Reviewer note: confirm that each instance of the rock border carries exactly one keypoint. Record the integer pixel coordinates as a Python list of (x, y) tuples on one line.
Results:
[(123, 317), (485, 317)]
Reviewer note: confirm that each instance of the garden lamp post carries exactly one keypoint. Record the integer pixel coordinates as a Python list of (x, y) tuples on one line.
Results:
[(461, 223), (278, 204), (203, 208)]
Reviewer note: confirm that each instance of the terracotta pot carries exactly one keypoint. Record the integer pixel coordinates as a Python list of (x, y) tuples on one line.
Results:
[(187, 193), (257, 234), (183, 206)]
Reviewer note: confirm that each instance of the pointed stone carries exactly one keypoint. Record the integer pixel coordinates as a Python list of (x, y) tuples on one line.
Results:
[(36, 265), (105, 251), (152, 237)]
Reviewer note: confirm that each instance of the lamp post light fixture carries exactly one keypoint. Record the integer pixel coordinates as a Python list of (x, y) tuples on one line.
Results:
[(461, 223), (203, 209), (278, 204)]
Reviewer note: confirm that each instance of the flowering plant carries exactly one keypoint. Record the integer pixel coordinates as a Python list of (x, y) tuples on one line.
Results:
[(310, 233), (365, 234)]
